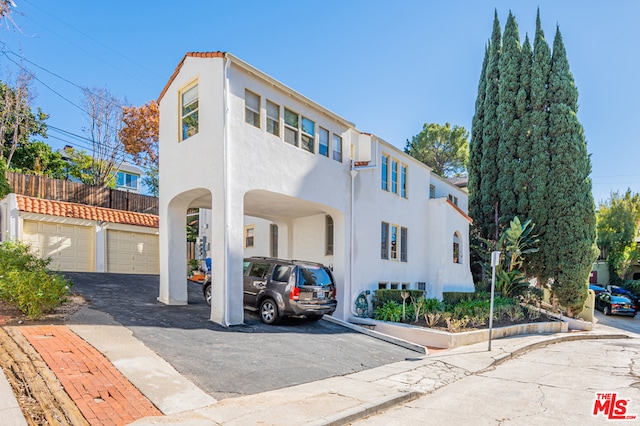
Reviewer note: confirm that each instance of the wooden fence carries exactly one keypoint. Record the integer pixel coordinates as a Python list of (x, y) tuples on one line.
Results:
[(72, 192)]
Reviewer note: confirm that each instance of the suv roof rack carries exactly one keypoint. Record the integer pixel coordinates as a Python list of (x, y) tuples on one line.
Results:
[(289, 260)]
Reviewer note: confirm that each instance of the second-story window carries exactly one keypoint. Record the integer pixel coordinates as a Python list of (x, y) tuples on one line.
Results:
[(189, 112), (291, 123), (432, 191), (323, 142), (251, 108), (273, 118), (453, 199), (337, 148), (394, 176), (384, 165), (403, 180), (308, 136)]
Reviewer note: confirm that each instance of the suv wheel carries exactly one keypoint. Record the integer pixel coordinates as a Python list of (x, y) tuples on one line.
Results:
[(269, 311), (206, 291)]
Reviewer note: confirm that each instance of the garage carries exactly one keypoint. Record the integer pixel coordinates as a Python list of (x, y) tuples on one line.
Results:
[(132, 252), (70, 247)]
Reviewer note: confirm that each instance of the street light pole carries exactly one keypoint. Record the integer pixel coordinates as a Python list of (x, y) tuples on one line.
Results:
[(495, 261)]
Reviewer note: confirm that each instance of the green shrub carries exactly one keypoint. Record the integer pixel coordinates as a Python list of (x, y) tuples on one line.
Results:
[(390, 311), (432, 304), (381, 297), (26, 282), (451, 298)]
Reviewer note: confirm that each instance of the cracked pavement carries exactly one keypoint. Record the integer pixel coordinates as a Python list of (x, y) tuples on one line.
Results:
[(556, 383)]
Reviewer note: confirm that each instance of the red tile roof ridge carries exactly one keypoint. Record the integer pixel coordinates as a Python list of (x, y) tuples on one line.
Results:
[(217, 54), (82, 211)]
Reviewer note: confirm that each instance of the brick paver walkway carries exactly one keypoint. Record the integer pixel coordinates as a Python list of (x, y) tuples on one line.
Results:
[(101, 393)]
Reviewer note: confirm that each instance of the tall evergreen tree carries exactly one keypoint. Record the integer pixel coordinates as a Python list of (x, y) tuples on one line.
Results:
[(539, 154), (507, 160), (569, 242), (522, 179), (475, 146), (491, 138), (533, 159)]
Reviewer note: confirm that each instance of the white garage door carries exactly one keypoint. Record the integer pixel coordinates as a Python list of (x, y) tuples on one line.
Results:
[(70, 247), (132, 252)]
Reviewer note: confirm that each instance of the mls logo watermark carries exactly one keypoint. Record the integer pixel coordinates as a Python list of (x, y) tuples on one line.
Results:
[(612, 407)]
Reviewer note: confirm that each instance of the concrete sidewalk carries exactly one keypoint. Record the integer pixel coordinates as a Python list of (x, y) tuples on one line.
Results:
[(337, 400)]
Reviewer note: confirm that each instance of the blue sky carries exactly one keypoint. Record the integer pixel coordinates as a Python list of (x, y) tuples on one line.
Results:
[(387, 66)]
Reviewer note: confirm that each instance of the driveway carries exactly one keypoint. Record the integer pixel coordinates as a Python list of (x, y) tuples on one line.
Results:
[(235, 361)]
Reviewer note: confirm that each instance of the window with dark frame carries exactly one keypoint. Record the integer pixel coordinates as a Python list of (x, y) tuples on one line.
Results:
[(403, 244), (384, 241), (328, 236)]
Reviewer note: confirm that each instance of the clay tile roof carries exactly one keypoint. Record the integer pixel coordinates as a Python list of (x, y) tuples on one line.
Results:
[(81, 211), (459, 210), (188, 55)]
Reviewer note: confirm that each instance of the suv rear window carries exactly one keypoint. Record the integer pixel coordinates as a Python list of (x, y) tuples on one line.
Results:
[(313, 276), (280, 273), (259, 270)]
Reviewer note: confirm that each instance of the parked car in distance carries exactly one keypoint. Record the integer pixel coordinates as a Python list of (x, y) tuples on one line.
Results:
[(619, 291), (597, 289), (610, 304), (277, 288)]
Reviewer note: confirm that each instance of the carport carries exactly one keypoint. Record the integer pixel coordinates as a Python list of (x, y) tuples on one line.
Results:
[(301, 235)]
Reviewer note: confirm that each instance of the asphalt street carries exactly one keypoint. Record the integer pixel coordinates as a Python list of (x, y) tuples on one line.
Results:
[(556, 384), (235, 361)]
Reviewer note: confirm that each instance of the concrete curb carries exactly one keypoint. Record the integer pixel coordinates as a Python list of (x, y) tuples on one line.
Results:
[(535, 345), (365, 410)]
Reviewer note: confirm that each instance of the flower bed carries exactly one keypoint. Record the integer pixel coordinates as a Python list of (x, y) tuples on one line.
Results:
[(443, 339)]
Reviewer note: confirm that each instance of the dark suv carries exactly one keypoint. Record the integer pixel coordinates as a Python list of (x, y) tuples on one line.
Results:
[(277, 288)]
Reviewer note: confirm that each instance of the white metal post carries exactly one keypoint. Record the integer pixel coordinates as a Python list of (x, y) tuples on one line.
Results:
[(495, 260)]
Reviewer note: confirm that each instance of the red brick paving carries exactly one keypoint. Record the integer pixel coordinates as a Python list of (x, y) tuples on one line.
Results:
[(101, 393)]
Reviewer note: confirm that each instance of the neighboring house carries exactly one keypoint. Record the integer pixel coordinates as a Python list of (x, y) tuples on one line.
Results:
[(127, 176), (82, 238), (281, 175)]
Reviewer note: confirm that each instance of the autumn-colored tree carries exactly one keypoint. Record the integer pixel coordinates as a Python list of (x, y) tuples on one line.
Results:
[(140, 136), (140, 133)]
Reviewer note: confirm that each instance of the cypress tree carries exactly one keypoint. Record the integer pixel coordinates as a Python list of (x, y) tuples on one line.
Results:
[(539, 153), (475, 146), (571, 229), (491, 138), (507, 160), (521, 179)]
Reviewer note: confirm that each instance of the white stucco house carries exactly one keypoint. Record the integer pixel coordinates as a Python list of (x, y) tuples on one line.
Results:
[(282, 175)]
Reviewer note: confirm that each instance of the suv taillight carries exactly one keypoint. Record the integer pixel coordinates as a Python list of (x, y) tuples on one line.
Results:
[(295, 293)]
